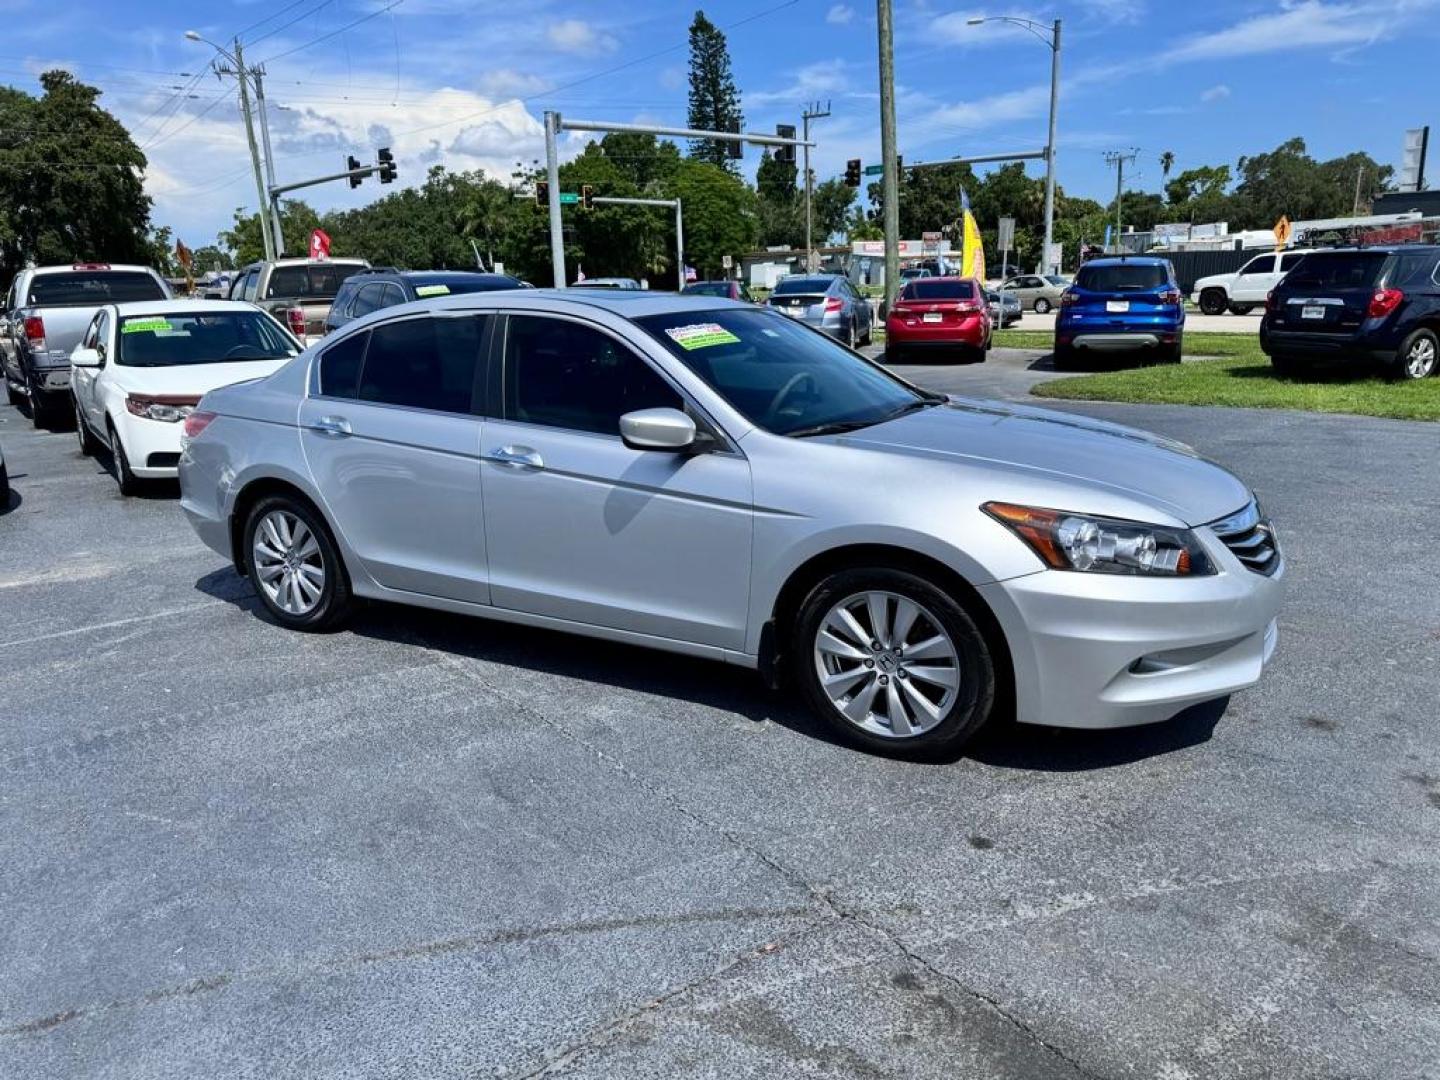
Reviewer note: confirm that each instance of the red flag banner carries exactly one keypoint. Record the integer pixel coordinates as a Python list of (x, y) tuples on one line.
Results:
[(319, 244)]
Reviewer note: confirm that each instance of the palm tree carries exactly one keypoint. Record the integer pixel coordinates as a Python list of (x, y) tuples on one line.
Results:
[(1167, 162)]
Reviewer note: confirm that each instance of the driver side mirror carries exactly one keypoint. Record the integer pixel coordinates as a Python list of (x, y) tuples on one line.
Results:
[(85, 358), (658, 429)]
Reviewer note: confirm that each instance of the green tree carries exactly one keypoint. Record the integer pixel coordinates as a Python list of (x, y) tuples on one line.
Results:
[(830, 204), (720, 215), (211, 257), (714, 101), (1167, 162), (71, 179), (642, 159), (780, 206)]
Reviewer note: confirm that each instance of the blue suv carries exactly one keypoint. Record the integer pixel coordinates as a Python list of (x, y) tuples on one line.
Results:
[(384, 286), (1380, 304), (1123, 305)]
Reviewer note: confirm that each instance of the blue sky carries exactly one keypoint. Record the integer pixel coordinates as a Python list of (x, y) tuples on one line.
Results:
[(464, 82)]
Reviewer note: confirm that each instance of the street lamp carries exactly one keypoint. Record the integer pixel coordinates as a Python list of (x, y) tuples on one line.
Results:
[(272, 245), (1050, 36)]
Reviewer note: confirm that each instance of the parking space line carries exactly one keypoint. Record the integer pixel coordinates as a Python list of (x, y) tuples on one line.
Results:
[(113, 623)]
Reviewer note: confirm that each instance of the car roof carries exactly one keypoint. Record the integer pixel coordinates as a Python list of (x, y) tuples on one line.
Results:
[(1373, 249), (628, 304), (180, 307), (94, 268), (1129, 260)]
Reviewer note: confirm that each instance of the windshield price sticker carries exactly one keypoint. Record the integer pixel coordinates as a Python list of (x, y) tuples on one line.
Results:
[(432, 290), (154, 326), (701, 335)]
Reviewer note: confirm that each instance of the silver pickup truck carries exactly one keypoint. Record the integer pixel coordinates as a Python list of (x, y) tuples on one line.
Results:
[(47, 311), (298, 292)]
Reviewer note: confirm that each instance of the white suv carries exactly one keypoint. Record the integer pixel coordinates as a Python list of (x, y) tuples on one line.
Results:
[(1242, 291)]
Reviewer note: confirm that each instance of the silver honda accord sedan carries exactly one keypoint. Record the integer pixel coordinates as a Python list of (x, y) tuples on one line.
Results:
[(713, 478)]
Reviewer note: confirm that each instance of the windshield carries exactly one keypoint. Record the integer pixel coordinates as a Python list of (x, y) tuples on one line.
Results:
[(1336, 269), (215, 337), (778, 374), (1122, 277), (1056, 279), (802, 285), (938, 289), (93, 288), (321, 281)]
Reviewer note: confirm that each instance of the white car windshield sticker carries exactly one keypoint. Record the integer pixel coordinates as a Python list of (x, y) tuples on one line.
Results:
[(701, 335), (432, 290)]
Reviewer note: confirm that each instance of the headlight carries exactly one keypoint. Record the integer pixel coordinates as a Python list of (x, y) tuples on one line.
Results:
[(149, 408), (1101, 545)]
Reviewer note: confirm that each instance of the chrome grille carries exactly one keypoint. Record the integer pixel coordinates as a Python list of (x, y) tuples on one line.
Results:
[(1251, 537)]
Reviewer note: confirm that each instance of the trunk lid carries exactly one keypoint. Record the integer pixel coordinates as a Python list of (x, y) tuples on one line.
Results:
[(64, 327)]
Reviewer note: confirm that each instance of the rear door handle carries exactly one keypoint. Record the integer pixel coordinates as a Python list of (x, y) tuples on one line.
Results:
[(332, 425), (517, 456)]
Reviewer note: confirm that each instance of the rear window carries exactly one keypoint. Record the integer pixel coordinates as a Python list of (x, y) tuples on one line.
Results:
[(803, 285), (90, 288), (321, 281), (1339, 269), (932, 289), (708, 288), (1122, 277), (454, 286)]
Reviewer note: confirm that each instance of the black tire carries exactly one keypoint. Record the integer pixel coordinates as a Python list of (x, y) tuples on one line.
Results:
[(43, 413), (1287, 365), (89, 445), (1169, 354), (1042, 306), (125, 478), (1213, 302), (15, 397), (974, 696), (851, 338), (336, 600), (1241, 309), (4, 489), (1418, 356), (869, 333), (1062, 358)]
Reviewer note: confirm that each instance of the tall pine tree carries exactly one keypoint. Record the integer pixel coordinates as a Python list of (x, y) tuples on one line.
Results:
[(714, 101)]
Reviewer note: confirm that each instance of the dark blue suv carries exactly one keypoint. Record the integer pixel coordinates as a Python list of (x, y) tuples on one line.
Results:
[(382, 287), (1130, 304), (1379, 304)]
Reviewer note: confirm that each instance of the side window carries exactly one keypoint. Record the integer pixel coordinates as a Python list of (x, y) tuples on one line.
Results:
[(248, 285), (88, 341), (424, 363), (1287, 262), (102, 334), (391, 295), (1262, 265), (340, 366), (367, 300), (566, 375)]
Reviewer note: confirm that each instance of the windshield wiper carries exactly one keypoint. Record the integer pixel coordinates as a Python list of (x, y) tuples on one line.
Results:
[(837, 427)]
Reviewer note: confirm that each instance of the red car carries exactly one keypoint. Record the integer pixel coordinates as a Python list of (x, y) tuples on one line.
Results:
[(941, 313)]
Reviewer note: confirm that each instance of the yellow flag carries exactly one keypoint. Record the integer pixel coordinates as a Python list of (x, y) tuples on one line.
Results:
[(972, 250)]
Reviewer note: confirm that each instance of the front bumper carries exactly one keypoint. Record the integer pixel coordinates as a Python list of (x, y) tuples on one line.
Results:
[(153, 446), (1101, 651)]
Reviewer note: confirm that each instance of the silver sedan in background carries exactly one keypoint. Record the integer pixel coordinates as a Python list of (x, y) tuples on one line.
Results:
[(717, 479), (1005, 307), (828, 302)]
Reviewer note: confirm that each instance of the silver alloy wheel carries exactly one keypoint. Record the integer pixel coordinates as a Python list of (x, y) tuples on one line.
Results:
[(886, 664), (1420, 360), (288, 562)]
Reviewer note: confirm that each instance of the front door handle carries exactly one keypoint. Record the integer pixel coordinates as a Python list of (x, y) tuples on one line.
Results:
[(332, 425), (517, 456)]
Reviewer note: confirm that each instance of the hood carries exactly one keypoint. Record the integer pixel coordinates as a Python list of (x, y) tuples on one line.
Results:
[(1060, 448), (192, 380)]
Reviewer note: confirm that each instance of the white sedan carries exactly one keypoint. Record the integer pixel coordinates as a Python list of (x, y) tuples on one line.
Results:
[(141, 369)]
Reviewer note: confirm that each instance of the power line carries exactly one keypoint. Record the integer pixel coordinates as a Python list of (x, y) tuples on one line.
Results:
[(286, 26), (333, 33), (267, 18)]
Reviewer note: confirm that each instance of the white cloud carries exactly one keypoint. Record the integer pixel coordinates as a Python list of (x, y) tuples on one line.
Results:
[(1307, 24), (580, 37), (508, 83), (1218, 92), (818, 79), (672, 78), (840, 15), (994, 110)]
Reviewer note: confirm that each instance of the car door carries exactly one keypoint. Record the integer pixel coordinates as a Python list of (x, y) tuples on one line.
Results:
[(579, 526), (392, 430), (1255, 280)]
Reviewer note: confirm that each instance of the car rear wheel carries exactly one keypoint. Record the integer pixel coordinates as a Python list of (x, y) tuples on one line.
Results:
[(850, 337), (1213, 302), (15, 397), (892, 663), (1241, 309), (1419, 356), (1042, 306), (43, 413), (295, 566), (1062, 358)]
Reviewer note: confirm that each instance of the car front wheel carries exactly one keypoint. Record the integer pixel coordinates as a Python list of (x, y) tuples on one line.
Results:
[(1419, 355), (892, 663), (1042, 306), (295, 566), (128, 482), (1213, 302)]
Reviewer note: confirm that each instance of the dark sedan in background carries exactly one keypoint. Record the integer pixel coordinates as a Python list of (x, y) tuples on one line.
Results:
[(371, 290), (728, 290), (828, 302)]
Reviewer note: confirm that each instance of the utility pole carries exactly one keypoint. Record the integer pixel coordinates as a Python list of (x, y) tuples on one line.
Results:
[(1359, 175), (258, 74), (240, 75), (891, 185), (813, 111), (1045, 265), (552, 174), (1118, 159)]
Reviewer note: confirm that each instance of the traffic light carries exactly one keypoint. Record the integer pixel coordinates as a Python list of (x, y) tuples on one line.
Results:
[(351, 164), (585, 191), (735, 150), (542, 192), (387, 164), (899, 165), (785, 153), (852, 172)]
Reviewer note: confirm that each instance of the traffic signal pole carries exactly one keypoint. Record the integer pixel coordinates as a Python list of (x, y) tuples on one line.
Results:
[(679, 227)]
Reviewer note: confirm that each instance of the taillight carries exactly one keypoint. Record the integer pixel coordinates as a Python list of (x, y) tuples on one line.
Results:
[(197, 422), (34, 328), (968, 305), (1068, 299), (296, 318), (1170, 296), (833, 304), (1382, 302), (1270, 301)]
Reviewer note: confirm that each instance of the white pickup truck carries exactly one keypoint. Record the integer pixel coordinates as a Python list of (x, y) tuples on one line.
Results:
[(1242, 291), (47, 311)]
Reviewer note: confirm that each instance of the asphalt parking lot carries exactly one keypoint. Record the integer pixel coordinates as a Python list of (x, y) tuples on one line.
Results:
[(433, 847)]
